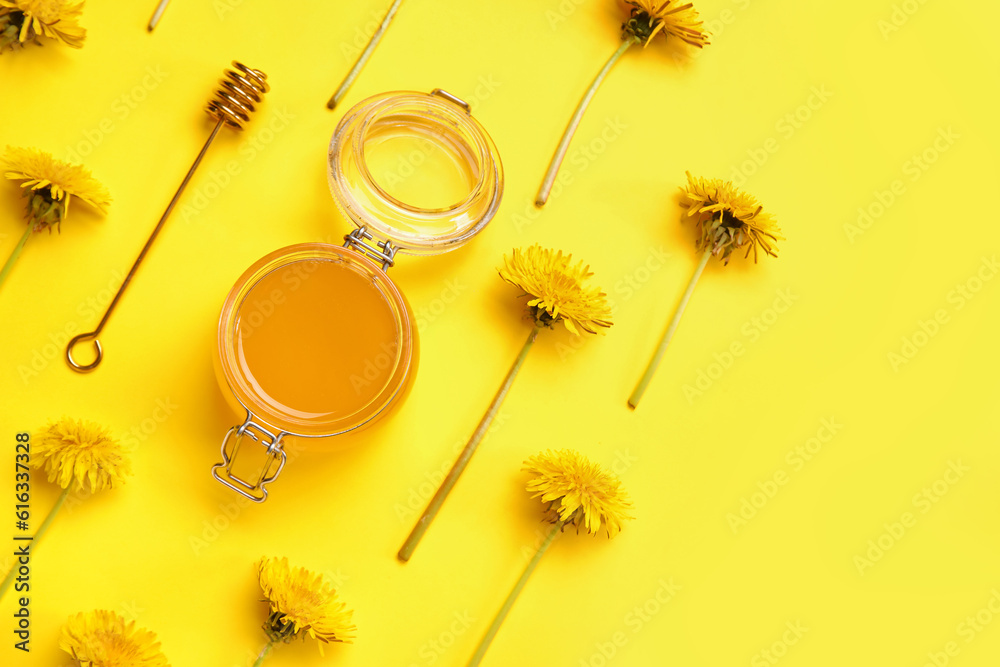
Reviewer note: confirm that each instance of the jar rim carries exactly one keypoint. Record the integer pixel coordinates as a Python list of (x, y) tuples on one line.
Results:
[(270, 414), (377, 210), (387, 106)]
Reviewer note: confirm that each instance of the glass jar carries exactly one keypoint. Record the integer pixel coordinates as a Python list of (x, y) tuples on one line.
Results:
[(315, 340)]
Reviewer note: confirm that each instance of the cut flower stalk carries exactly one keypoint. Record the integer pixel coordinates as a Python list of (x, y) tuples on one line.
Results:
[(558, 294), (654, 363), (35, 540), (577, 492), (345, 85), (74, 454), (557, 158), (491, 632), (727, 219), (646, 20), (9, 264), (470, 448)]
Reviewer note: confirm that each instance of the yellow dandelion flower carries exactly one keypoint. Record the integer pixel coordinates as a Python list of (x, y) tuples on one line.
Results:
[(648, 18), (26, 20), (302, 602), (728, 218), (557, 291), (51, 184), (578, 491), (72, 449), (48, 185), (104, 639)]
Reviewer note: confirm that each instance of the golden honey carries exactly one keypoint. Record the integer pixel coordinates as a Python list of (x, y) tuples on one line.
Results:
[(316, 339)]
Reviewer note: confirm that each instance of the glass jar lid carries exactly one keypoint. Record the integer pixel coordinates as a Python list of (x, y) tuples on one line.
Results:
[(415, 170)]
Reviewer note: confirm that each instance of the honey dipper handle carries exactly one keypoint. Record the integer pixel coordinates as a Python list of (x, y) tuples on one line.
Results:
[(85, 368)]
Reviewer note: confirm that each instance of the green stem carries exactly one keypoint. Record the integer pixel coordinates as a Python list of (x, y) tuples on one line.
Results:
[(14, 255), (35, 540), (264, 653), (640, 388), (574, 123), (157, 14), (463, 459), (487, 639), (363, 58)]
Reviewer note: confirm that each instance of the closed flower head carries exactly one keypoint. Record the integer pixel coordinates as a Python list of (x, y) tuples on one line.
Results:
[(73, 450), (679, 19), (23, 21), (578, 491), (50, 185), (105, 639), (728, 219), (302, 603), (557, 290)]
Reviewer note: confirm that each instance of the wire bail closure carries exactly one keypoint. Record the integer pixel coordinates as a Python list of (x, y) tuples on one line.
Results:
[(383, 251), (454, 99), (276, 455)]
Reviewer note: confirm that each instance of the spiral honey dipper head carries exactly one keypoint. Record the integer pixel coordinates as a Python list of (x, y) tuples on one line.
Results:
[(238, 95)]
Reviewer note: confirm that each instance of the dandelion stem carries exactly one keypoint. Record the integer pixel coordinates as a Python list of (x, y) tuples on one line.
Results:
[(640, 388), (463, 459), (263, 653), (363, 58), (157, 14), (14, 255), (574, 123), (487, 639), (34, 541)]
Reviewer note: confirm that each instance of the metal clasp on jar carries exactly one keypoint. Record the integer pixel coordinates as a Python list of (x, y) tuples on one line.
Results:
[(383, 251), (275, 461), (454, 99)]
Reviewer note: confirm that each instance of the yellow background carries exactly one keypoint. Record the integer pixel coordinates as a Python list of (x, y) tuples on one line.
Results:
[(688, 464)]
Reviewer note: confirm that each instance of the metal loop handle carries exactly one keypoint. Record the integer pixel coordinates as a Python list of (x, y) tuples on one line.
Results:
[(223, 472), (84, 368), (454, 99)]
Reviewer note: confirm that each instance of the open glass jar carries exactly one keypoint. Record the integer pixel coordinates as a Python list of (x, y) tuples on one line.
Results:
[(315, 340)]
